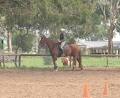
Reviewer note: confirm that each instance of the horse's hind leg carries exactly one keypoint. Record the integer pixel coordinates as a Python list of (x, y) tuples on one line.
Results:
[(70, 61), (80, 62), (74, 62)]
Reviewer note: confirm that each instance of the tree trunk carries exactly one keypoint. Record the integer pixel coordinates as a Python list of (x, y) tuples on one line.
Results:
[(110, 37), (110, 46), (9, 41)]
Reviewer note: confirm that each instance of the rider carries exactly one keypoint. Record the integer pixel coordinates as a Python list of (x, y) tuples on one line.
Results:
[(62, 39)]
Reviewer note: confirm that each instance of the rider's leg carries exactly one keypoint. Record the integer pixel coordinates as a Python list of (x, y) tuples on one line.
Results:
[(62, 45)]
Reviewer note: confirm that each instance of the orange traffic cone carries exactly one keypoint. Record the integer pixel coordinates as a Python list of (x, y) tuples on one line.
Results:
[(86, 93), (105, 89)]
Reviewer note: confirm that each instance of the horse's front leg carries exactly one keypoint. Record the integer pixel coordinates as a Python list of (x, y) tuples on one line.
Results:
[(54, 62)]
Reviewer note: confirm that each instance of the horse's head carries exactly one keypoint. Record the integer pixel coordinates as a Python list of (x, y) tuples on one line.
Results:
[(42, 41)]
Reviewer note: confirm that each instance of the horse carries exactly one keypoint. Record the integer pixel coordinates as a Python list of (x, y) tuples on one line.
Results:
[(71, 50)]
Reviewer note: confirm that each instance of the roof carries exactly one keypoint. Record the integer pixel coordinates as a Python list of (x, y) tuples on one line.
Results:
[(98, 44)]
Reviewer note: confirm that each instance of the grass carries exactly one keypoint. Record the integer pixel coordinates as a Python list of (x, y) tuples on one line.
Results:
[(40, 62)]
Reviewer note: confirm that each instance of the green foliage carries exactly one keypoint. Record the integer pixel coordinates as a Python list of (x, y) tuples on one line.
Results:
[(87, 61), (1, 44), (24, 41), (71, 40), (118, 24), (47, 60), (80, 16)]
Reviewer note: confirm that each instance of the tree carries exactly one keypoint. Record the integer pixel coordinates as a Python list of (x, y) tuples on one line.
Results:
[(78, 17), (82, 18), (17, 14), (118, 25), (23, 41), (110, 11)]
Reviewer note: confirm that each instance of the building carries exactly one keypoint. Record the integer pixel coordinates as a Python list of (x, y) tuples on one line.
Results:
[(98, 47)]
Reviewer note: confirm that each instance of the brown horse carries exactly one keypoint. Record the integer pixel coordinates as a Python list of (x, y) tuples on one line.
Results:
[(71, 50)]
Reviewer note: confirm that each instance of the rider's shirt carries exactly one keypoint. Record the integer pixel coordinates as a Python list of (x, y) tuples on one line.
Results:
[(61, 36)]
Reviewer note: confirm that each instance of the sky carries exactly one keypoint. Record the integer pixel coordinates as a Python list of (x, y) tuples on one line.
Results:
[(116, 36)]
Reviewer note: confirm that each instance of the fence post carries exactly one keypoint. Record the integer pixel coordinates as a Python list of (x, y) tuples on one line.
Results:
[(3, 61), (19, 60), (15, 60), (107, 60)]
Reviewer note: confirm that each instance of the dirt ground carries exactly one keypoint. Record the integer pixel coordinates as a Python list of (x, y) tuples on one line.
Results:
[(16, 83)]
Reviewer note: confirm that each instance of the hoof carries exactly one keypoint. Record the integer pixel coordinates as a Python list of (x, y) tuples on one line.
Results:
[(81, 68), (56, 70), (73, 68)]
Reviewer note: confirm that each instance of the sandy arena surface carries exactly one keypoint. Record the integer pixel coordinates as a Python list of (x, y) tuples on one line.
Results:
[(62, 84)]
